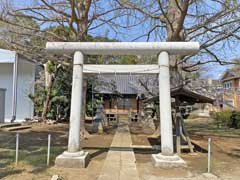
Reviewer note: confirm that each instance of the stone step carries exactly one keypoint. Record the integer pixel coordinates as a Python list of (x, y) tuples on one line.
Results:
[(8, 125), (17, 128), (124, 119), (120, 148), (122, 115)]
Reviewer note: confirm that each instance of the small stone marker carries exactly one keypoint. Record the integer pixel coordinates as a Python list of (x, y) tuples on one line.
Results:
[(209, 175), (55, 177)]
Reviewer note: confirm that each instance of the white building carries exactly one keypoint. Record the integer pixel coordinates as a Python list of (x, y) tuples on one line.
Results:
[(17, 77)]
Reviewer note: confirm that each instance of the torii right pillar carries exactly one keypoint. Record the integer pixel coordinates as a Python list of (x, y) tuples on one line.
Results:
[(166, 158)]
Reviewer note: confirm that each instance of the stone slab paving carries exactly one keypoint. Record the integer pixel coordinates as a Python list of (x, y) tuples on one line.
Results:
[(200, 177), (120, 163)]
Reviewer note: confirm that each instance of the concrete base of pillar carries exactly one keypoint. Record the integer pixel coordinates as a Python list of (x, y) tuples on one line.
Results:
[(72, 160), (160, 160)]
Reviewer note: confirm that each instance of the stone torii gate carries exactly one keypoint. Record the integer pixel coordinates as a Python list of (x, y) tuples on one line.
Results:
[(75, 157)]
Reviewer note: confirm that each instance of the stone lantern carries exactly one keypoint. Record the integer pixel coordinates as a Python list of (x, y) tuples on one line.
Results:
[(149, 121)]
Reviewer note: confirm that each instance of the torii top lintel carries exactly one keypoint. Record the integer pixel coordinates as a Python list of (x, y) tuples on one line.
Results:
[(124, 48)]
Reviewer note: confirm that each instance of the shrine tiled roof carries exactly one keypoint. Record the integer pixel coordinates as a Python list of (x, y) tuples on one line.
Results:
[(122, 83)]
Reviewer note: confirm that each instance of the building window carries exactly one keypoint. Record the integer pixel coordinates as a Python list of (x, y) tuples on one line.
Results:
[(228, 85), (230, 102)]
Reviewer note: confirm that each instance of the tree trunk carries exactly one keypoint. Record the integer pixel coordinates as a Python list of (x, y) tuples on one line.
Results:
[(176, 13), (83, 7), (48, 84), (46, 106)]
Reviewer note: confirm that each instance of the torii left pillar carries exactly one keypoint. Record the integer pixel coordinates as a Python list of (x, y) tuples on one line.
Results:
[(74, 157)]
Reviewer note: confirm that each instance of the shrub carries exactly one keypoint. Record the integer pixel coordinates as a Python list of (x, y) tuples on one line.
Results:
[(192, 116), (234, 120), (223, 118), (228, 119)]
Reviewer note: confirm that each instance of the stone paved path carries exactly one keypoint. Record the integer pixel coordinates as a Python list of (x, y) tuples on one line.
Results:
[(120, 163)]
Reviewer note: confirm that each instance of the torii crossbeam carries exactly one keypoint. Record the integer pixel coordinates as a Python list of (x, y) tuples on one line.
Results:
[(74, 156)]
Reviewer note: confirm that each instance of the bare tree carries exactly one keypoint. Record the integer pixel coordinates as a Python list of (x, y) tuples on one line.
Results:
[(213, 23), (54, 20), (28, 26)]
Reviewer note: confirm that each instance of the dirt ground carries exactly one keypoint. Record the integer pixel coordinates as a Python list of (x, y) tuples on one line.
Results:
[(33, 148), (225, 152)]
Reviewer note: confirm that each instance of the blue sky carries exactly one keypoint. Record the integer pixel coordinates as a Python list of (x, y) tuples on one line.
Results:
[(214, 69)]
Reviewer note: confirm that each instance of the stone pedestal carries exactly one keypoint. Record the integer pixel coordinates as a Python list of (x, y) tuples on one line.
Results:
[(100, 128), (73, 160), (151, 124), (160, 160)]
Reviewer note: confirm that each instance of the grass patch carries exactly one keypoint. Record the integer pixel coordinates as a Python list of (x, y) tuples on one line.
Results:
[(9, 171), (6, 158), (212, 128), (38, 156), (8, 141)]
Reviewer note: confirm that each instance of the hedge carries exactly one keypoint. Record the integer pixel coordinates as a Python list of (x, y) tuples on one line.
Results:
[(229, 119)]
